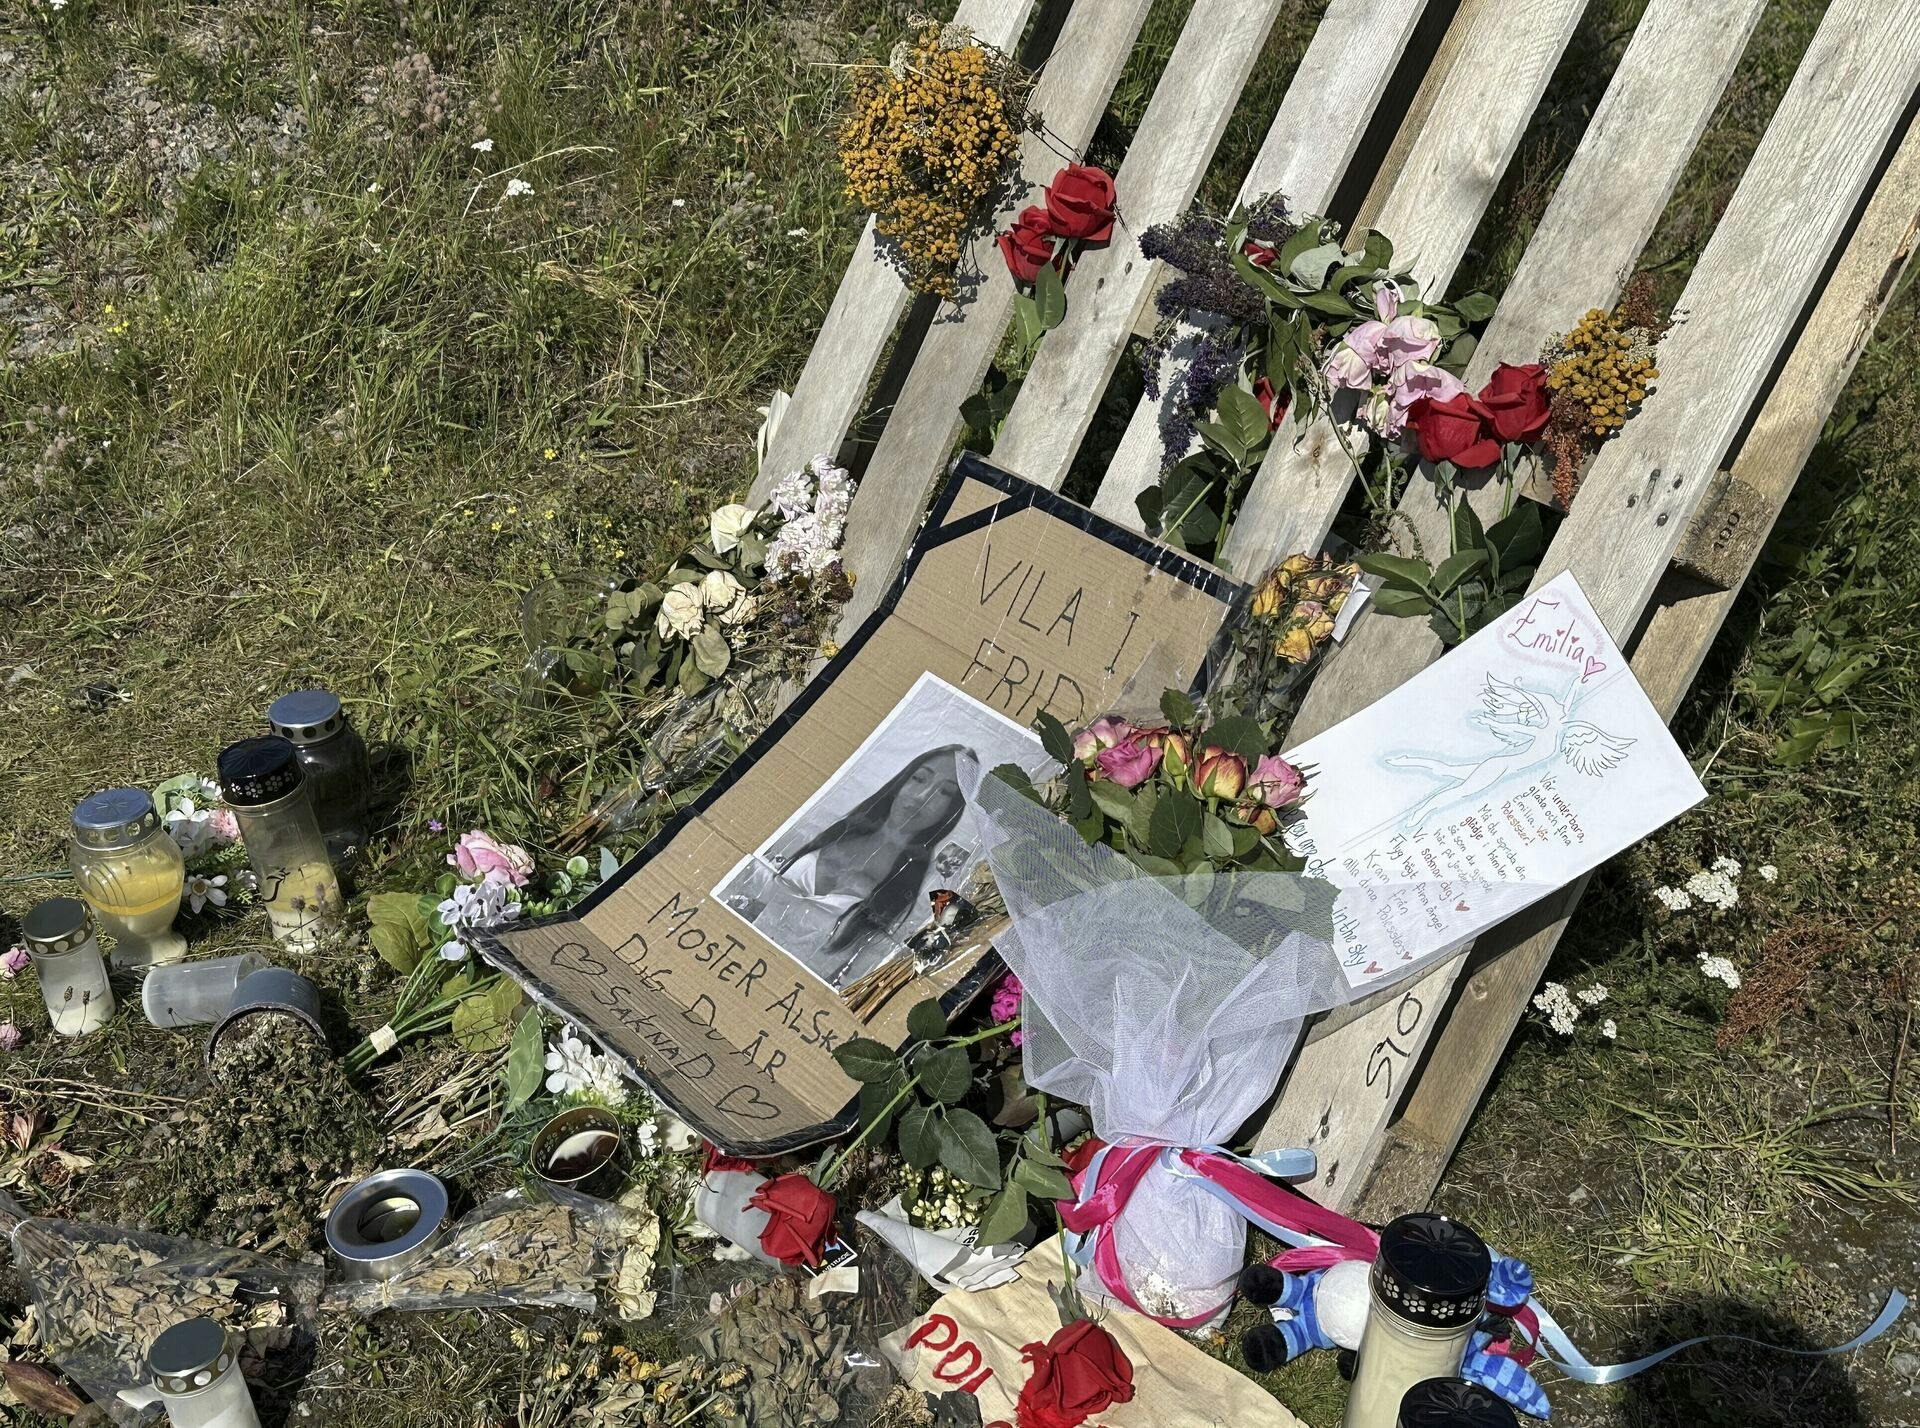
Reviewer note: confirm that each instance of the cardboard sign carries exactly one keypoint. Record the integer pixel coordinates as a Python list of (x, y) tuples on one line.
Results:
[(711, 965)]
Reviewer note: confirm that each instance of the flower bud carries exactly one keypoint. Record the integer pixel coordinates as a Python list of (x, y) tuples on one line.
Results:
[(1220, 774)]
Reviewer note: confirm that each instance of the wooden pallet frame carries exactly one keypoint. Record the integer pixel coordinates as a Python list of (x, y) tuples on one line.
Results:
[(1782, 301)]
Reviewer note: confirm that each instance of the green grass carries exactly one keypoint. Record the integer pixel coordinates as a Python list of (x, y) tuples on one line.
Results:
[(299, 385)]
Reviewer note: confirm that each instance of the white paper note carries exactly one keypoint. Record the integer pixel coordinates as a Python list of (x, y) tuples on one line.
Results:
[(1525, 757)]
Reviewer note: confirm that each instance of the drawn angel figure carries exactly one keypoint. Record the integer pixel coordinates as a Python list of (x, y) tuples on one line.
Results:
[(1533, 729)]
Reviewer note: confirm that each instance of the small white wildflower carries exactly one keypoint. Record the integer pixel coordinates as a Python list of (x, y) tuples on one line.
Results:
[(1714, 888), (518, 188), (487, 903), (1719, 969), (796, 233), (56, 4), (1594, 995), (1729, 866), (203, 890), (1608, 1029), (679, 203), (374, 187), (1559, 1008), (1673, 899), (483, 146), (1768, 872), (454, 951)]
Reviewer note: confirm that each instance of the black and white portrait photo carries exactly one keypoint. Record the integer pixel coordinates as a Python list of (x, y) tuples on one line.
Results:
[(844, 881)]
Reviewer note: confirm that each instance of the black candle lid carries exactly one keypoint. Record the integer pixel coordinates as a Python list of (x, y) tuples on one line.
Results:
[(1454, 1403), (1432, 1271), (255, 771)]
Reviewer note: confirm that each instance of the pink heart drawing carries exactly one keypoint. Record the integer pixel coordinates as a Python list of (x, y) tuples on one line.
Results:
[(1372, 969), (1594, 667), (1461, 907)]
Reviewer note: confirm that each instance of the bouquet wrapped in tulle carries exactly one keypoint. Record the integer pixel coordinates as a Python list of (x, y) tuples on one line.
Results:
[(1170, 951)]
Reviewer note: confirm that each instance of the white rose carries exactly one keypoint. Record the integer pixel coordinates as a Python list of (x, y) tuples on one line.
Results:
[(740, 611), (719, 590), (683, 614), (726, 525)]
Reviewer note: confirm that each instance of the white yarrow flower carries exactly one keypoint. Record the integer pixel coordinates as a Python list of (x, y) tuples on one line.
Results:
[(1719, 969), (1609, 1029), (1714, 888), (519, 188), (1768, 872), (483, 146), (1593, 996), (1559, 1007), (683, 612), (1673, 899)]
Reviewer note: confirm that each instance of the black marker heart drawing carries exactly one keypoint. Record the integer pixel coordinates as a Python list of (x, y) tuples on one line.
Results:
[(747, 1102)]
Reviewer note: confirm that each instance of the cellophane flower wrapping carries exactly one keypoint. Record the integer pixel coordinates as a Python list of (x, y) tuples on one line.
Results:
[(1168, 1006)]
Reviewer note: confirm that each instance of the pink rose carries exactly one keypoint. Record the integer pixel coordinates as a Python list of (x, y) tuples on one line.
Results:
[(224, 825), (1346, 368), (1100, 734), (1416, 381), (1386, 300), (476, 855), (1275, 782), (1410, 339), (14, 962), (9, 1036), (1129, 763)]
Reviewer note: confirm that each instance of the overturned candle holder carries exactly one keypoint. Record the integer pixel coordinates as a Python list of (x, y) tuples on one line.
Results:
[(576, 1147), (386, 1224), (269, 992)]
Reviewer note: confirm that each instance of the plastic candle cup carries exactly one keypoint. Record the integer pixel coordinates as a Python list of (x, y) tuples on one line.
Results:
[(195, 1368), (65, 949), (131, 873), (1425, 1296), (195, 993), (333, 763), (262, 783)]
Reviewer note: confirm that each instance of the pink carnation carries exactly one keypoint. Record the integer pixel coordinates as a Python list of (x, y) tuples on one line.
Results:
[(1007, 998), (13, 962)]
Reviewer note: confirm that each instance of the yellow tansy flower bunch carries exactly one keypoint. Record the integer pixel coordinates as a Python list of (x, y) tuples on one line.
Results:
[(1598, 374), (926, 142)]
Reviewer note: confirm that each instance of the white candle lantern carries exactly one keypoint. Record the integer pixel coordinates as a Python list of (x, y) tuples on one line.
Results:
[(195, 1367), (65, 948)]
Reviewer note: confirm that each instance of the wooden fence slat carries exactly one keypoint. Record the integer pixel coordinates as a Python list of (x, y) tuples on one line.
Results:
[(1314, 135), (1165, 162), (1850, 91), (1666, 86), (1095, 41), (826, 400), (1674, 643), (1451, 171)]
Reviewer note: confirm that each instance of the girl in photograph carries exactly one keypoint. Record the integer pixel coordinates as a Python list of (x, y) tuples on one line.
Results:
[(845, 898)]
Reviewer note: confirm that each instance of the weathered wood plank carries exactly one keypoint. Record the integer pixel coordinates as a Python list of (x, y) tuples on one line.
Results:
[(1671, 648), (1161, 173), (1451, 170), (865, 310), (1314, 135), (1093, 47), (1874, 54), (1672, 74)]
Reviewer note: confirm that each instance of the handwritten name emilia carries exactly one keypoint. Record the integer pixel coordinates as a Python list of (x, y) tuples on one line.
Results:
[(1535, 630)]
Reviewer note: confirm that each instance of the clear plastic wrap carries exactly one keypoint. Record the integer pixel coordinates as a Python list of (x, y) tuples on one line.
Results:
[(102, 1295), (511, 1251)]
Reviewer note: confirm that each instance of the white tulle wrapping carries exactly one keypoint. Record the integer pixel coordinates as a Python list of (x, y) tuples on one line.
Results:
[(1168, 1007)]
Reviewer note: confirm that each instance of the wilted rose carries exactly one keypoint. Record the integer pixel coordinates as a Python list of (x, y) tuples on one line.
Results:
[(1220, 774), (1274, 404), (719, 590), (478, 854), (726, 525), (1269, 596), (1100, 734), (683, 612), (1275, 782), (1295, 646)]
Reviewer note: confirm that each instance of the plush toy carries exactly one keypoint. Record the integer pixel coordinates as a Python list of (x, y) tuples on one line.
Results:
[(1327, 1309)]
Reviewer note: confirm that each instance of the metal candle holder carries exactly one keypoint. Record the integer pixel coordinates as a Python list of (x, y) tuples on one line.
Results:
[(575, 1146), (387, 1223)]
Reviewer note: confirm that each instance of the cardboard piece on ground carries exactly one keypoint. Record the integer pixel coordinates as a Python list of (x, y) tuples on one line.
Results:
[(973, 1341), (710, 964)]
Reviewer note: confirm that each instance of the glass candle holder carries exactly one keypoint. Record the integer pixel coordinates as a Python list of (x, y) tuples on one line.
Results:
[(263, 785), (131, 873), (1425, 1296), (73, 975), (333, 763), (195, 993), (195, 1368)]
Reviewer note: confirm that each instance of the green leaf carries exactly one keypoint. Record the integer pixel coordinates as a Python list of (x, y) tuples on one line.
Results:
[(1475, 307), (1378, 250), (1054, 737), (400, 932), (481, 1022), (1079, 793), (1112, 800), (526, 1059), (1310, 268), (1520, 537), (1399, 571), (1468, 533), (1238, 735), (1006, 1217), (1220, 438), (1455, 568), (1243, 415), (1050, 297), (967, 1147), (1176, 818), (919, 1135), (1042, 1180), (1177, 708), (710, 652), (926, 1021), (1015, 778), (1332, 304), (865, 1059), (945, 1074), (1028, 328), (1400, 602), (1298, 246), (877, 1105), (1184, 507), (1140, 818), (1217, 838)]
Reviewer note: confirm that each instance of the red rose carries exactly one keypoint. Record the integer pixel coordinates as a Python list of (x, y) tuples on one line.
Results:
[(1271, 402), (1458, 430), (1077, 1373), (1260, 254), (713, 1158), (1517, 398), (1080, 203), (1028, 245), (799, 1216)]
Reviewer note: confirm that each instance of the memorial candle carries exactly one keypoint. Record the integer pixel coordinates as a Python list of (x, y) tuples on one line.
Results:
[(1427, 1292)]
